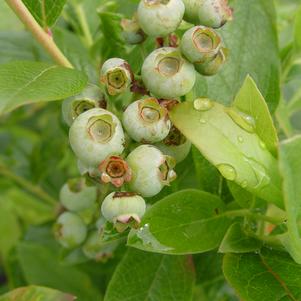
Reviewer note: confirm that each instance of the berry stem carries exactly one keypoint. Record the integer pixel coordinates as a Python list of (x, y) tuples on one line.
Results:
[(37, 31), (35, 190)]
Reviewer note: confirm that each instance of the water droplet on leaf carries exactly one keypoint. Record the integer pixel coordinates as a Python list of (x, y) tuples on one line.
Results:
[(227, 171), (240, 139), (243, 120), (203, 104)]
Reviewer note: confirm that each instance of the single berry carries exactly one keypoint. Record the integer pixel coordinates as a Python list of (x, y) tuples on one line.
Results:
[(214, 13), (70, 230), (175, 145), (200, 44), (158, 18), (151, 170), (75, 195), (95, 135), (116, 75), (146, 121), (123, 208), (90, 98), (97, 249), (192, 11), (211, 67), (132, 33), (167, 74), (114, 170)]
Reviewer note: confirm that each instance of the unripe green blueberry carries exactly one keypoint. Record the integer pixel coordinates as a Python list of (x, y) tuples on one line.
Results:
[(70, 230), (151, 170), (200, 44), (95, 248), (214, 13), (123, 207), (115, 170), (158, 18), (132, 33), (146, 121), (211, 67), (116, 75), (167, 74), (90, 98), (192, 11), (94, 135), (75, 195), (175, 145)]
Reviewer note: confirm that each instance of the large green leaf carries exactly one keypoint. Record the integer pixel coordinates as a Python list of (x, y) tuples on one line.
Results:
[(252, 40), (267, 276), (290, 166), (188, 221), (27, 82), (226, 137), (297, 33), (45, 12), (152, 277), (31, 293), (250, 101)]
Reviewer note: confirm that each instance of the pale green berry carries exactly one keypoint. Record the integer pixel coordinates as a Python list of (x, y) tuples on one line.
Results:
[(132, 32), (90, 98), (200, 44), (70, 230), (151, 169), (158, 18), (167, 74), (145, 120), (97, 249), (94, 135), (75, 195), (211, 67), (214, 13), (192, 11), (175, 145), (116, 75), (123, 207)]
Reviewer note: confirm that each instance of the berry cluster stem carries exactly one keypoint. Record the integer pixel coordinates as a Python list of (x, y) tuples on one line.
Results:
[(37, 31)]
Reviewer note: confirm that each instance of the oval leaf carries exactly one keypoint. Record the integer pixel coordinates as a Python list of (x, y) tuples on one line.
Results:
[(145, 276), (27, 82), (189, 221), (226, 138)]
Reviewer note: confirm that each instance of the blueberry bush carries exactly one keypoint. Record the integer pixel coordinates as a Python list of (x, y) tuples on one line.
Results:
[(150, 150)]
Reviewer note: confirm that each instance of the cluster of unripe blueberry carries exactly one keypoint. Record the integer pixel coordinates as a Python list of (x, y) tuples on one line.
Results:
[(103, 142)]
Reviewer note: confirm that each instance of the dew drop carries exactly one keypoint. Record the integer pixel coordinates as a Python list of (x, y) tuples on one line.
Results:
[(244, 121), (262, 145), (203, 121), (240, 139), (227, 171), (203, 104)]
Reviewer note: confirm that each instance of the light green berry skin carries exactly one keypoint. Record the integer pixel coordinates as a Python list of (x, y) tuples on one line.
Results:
[(192, 11), (95, 248), (113, 207), (89, 151), (144, 162), (163, 86), (140, 130), (191, 51), (92, 95), (70, 230), (159, 20), (214, 13), (179, 152), (78, 200)]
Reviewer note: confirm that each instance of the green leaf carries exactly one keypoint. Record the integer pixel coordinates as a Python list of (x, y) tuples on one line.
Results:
[(253, 49), (40, 264), (237, 241), (267, 276), (250, 101), (188, 221), (155, 277), (297, 33), (33, 292), (226, 138), (290, 167), (45, 12), (28, 82)]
